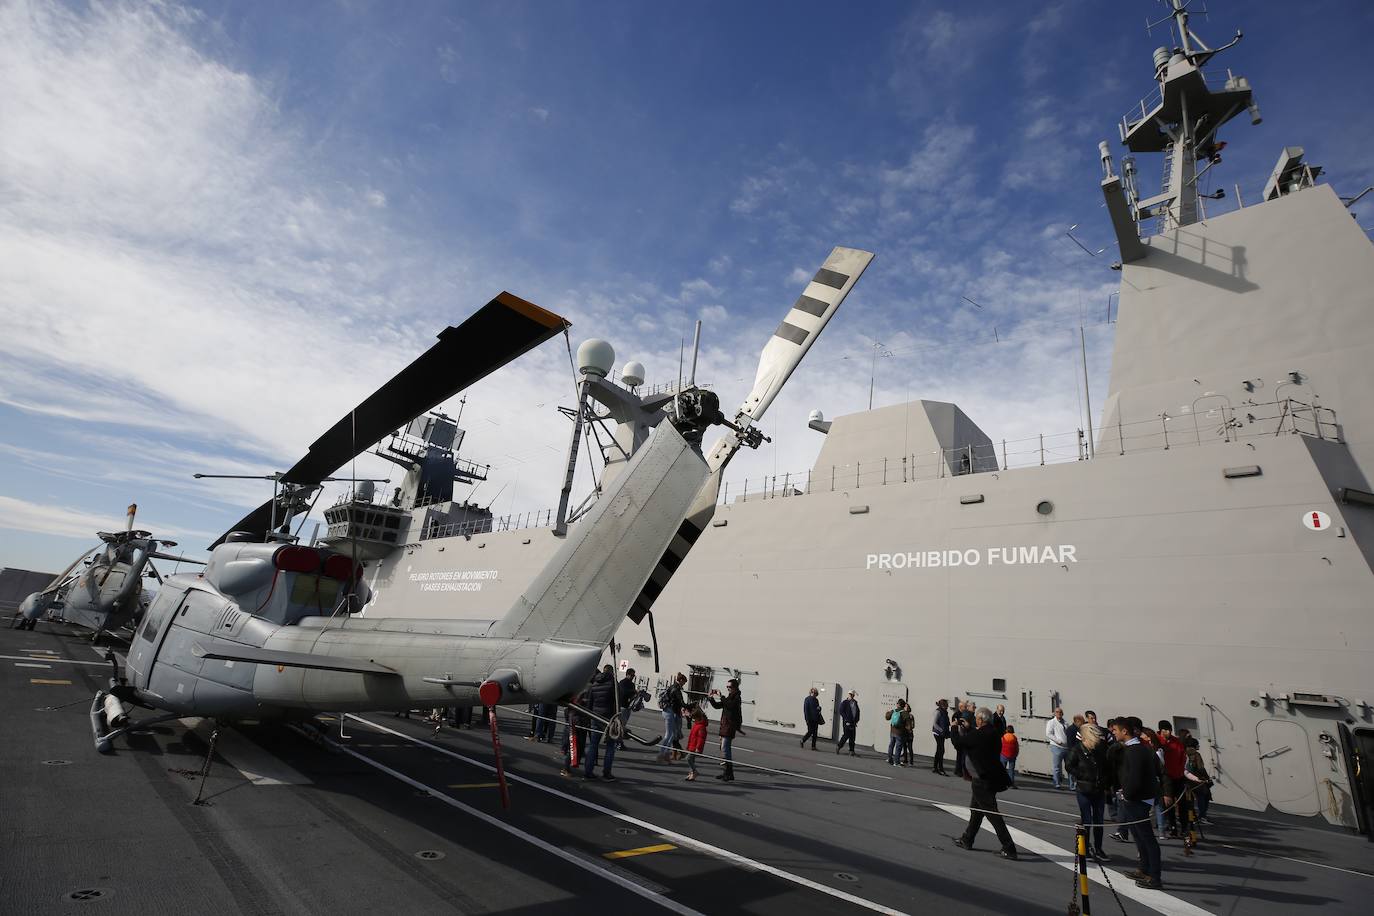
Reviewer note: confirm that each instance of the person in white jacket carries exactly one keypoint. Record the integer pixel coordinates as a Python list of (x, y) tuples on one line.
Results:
[(1056, 732)]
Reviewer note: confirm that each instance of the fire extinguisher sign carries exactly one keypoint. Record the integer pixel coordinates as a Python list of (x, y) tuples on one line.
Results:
[(1316, 520)]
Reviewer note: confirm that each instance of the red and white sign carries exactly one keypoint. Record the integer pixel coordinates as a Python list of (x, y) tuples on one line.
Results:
[(1316, 520)]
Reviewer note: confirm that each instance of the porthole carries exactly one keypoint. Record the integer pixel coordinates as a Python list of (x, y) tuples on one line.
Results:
[(1044, 507)]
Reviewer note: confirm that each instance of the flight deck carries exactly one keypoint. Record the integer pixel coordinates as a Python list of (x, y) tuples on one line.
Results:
[(378, 813)]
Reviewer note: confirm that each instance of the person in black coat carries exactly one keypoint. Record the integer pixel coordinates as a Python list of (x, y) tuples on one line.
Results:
[(982, 750), (939, 730), (1093, 779), (811, 712), (600, 700), (731, 718), (849, 720), (1138, 780)]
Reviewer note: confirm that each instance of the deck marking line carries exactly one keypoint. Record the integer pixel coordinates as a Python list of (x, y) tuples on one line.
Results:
[(30, 665), (1125, 887), (1274, 855), (855, 772), (65, 661), (253, 763), (51, 682), (679, 838), (641, 851), (666, 902)]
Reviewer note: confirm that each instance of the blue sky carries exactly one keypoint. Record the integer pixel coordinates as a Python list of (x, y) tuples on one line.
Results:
[(222, 225)]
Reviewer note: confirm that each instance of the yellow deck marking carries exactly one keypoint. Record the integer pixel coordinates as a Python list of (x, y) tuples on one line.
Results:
[(473, 785), (52, 682), (641, 851)]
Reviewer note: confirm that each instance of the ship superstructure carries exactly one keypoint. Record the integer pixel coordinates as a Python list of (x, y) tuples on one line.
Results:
[(1208, 556)]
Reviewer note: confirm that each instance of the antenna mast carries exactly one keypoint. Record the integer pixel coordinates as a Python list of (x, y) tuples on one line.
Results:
[(1180, 120)]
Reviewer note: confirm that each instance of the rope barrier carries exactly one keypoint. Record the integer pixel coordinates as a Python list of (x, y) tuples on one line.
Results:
[(1073, 822)]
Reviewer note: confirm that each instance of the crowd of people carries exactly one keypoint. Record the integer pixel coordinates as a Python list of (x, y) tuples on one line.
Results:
[(1152, 783)]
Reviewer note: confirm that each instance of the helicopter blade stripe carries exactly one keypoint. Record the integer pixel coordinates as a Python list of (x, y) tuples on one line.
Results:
[(790, 332), (813, 306), (831, 278)]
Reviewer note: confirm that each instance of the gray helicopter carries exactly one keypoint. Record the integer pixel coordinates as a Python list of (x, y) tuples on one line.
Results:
[(268, 630), (102, 590)]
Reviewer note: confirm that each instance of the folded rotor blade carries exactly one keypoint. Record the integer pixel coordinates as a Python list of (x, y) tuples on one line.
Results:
[(159, 555), (498, 332), (794, 338), (61, 578), (780, 357)]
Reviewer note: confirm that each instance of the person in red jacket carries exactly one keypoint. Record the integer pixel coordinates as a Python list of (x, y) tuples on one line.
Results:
[(1175, 756), (696, 742), (1010, 748)]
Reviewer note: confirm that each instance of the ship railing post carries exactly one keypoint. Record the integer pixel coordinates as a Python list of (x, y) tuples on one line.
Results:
[(744, 497), (787, 484), (1004, 454), (1042, 450), (884, 472), (904, 480), (808, 482), (1120, 435), (832, 478), (725, 496), (970, 458), (1164, 422), (857, 481), (773, 488)]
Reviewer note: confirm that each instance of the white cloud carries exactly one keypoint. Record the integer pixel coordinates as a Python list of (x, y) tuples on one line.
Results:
[(40, 518), (375, 198), (935, 164), (541, 114)]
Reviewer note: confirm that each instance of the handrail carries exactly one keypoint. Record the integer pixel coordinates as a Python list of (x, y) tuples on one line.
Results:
[(1232, 423)]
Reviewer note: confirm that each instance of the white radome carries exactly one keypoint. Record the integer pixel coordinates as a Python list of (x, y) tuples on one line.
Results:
[(815, 417), (632, 374), (595, 357)]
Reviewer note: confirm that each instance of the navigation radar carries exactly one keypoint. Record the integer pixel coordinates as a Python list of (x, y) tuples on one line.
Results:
[(632, 374), (595, 357)]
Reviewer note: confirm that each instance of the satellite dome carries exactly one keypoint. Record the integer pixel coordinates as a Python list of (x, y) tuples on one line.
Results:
[(815, 417), (595, 357), (632, 374)]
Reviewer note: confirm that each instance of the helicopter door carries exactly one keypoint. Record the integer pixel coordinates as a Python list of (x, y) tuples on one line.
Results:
[(148, 639)]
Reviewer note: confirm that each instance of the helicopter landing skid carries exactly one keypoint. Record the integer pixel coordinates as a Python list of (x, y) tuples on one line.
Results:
[(104, 739)]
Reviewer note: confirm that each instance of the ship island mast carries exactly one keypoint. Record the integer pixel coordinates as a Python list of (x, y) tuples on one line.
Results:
[(1179, 119)]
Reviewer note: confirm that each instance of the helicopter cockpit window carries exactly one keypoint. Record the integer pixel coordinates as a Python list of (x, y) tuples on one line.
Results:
[(149, 628)]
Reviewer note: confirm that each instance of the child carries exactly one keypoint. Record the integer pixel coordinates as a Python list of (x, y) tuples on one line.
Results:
[(696, 742), (1010, 748)]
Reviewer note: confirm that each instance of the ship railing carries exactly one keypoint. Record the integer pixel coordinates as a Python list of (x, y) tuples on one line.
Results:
[(542, 518), (1211, 419), (1151, 101)]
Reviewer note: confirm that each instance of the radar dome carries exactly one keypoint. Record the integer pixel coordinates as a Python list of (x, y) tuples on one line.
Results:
[(815, 417), (632, 374), (595, 358)]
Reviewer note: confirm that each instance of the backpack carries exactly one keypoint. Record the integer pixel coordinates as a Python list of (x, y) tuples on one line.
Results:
[(665, 699), (895, 719)]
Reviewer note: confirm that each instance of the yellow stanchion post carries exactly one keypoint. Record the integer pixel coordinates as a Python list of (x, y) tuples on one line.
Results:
[(1082, 839)]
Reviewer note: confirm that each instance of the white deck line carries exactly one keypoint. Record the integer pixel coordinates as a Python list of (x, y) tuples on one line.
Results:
[(652, 896), (257, 766), (679, 838), (1158, 901)]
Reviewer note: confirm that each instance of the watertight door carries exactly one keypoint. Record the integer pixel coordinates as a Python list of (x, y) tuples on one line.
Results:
[(1286, 758), (887, 694), (828, 692)]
